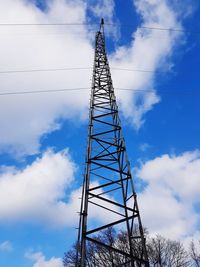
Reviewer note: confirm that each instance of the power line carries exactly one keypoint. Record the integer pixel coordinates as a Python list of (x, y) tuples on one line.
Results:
[(181, 92), (75, 68), (42, 91), (158, 28), (39, 34), (45, 24), (169, 92), (164, 29), (138, 70), (43, 70), (155, 28), (94, 24)]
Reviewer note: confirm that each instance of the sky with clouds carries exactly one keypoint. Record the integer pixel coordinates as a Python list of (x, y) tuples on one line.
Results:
[(43, 135)]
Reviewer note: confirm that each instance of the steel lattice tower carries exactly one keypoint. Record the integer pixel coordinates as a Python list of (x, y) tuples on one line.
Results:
[(108, 185)]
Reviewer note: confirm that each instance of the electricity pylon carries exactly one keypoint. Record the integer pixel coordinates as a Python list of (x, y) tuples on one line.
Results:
[(108, 186)]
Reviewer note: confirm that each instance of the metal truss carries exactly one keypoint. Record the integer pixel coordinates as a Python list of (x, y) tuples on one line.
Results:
[(108, 186)]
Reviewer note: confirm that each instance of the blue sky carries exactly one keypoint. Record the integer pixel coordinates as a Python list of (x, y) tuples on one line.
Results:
[(43, 136)]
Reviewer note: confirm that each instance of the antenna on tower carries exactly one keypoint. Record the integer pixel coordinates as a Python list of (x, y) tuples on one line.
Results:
[(107, 185), (101, 26)]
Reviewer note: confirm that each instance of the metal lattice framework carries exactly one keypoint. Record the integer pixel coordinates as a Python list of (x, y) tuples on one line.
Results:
[(108, 187)]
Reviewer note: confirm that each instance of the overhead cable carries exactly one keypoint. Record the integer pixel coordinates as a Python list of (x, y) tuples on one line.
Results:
[(43, 70), (43, 91), (75, 68), (181, 92), (94, 24)]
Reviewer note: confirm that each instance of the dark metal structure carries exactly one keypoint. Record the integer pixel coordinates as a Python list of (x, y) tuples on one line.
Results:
[(108, 187)]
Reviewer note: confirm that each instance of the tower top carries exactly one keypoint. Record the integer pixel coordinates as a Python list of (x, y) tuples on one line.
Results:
[(102, 25)]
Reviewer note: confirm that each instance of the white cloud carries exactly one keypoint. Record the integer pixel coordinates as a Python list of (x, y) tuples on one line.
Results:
[(149, 50), (144, 147), (40, 261), (103, 9), (6, 246), (25, 119), (172, 192), (35, 193)]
